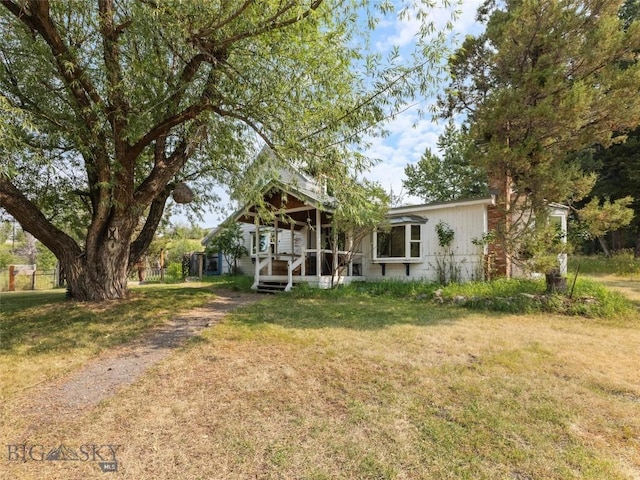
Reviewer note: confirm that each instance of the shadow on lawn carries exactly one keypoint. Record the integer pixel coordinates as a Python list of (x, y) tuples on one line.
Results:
[(629, 288), (353, 312), (40, 322)]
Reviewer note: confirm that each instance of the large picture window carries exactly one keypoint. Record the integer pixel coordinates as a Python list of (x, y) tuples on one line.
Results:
[(392, 243), (401, 241)]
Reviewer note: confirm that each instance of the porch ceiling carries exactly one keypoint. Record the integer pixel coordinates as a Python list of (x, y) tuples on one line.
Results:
[(301, 219), (286, 208)]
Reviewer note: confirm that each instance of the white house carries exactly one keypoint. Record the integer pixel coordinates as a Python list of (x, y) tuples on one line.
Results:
[(438, 241)]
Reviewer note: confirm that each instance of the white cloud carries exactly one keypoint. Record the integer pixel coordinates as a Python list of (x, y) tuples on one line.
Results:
[(403, 32), (410, 135)]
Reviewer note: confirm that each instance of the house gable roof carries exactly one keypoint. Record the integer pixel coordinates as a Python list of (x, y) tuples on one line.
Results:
[(291, 193)]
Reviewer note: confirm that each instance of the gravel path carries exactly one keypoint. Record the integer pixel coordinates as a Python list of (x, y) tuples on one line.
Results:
[(105, 375)]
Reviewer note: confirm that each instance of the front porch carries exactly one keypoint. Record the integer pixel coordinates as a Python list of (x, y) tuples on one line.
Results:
[(293, 243), (286, 272)]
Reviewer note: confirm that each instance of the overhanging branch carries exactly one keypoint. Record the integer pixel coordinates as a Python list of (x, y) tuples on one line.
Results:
[(33, 221)]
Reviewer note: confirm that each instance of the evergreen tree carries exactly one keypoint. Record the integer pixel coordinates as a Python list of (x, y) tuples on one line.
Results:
[(450, 175), (544, 80)]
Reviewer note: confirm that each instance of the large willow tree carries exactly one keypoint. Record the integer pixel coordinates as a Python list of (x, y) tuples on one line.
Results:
[(109, 104)]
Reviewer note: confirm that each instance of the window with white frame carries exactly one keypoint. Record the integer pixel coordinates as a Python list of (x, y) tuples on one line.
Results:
[(399, 242), (264, 243)]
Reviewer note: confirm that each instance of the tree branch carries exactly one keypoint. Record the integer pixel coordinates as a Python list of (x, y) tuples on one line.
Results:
[(73, 74), (33, 221), (144, 239), (217, 26), (35, 15), (272, 23), (166, 169), (118, 107), (162, 128)]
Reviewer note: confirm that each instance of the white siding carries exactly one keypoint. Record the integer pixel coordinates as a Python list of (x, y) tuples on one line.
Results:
[(468, 222), (244, 263)]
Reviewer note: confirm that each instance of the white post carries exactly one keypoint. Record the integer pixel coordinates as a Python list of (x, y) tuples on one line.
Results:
[(293, 246), (334, 257), (289, 277), (318, 244), (256, 244), (350, 253), (303, 252)]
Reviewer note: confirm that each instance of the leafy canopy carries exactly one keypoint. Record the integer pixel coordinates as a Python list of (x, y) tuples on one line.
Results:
[(114, 102)]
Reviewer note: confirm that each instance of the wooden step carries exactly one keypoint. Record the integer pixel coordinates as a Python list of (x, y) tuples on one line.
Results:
[(271, 287)]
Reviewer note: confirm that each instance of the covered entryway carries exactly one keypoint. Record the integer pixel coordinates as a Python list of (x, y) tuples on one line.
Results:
[(291, 242)]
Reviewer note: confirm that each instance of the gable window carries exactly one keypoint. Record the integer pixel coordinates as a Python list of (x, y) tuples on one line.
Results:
[(400, 241)]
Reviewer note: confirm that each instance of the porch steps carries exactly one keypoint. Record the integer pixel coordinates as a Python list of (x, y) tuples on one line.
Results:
[(271, 287)]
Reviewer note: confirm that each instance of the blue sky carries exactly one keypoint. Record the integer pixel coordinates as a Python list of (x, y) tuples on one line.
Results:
[(410, 133)]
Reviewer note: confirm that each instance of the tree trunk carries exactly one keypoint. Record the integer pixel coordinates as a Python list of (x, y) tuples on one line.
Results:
[(555, 282), (605, 247), (636, 251), (99, 275)]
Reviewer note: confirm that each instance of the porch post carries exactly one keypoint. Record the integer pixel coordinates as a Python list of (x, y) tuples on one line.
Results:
[(351, 253), (318, 244), (334, 257), (293, 253), (275, 228), (305, 243), (275, 247), (256, 244)]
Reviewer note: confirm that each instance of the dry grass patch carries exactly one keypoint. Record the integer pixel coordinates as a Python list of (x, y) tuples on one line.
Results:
[(345, 388), (43, 336)]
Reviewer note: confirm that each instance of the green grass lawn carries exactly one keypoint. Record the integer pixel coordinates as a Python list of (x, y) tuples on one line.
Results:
[(622, 264), (355, 385)]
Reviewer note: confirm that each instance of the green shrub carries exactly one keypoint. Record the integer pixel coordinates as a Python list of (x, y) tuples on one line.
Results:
[(387, 288), (174, 272), (590, 298)]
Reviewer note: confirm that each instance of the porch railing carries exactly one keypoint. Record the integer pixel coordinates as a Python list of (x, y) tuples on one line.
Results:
[(297, 261), (291, 266), (261, 264)]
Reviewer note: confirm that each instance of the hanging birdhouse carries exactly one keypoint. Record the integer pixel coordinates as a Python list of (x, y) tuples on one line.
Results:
[(182, 193)]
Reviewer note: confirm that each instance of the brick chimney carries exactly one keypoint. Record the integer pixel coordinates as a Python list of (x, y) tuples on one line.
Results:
[(499, 261)]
